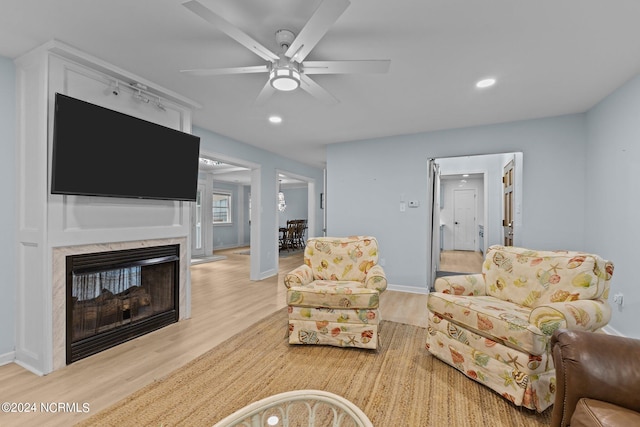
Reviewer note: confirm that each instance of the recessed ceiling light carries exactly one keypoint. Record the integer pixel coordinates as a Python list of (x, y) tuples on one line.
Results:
[(485, 83), (275, 119), (465, 175)]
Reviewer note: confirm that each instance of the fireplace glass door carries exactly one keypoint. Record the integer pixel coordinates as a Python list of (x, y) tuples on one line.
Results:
[(118, 298)]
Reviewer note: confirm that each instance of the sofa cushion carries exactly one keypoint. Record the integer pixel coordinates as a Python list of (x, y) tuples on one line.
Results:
[(360, 335), (590, 412), (502, 321), (533, 391), (369, 316), (531, 278), (330, 294), (348, 258), (484, 348)]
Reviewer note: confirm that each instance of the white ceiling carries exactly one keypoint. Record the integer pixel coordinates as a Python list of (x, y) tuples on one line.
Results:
[(550, 57), (235, 174)]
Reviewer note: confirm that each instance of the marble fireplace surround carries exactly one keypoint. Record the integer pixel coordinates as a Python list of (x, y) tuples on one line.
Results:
[(59, 255)]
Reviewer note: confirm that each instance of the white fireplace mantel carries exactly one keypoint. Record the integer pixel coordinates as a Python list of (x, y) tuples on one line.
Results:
[(52, 226)]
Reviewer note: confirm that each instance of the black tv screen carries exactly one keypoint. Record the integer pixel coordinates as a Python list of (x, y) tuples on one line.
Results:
[(102, 152)]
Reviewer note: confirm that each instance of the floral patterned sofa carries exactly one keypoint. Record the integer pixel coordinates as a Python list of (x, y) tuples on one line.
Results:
[(496, 327), (333, 298)]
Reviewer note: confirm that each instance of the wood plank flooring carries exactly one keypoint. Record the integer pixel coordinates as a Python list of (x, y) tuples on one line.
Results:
[(461, 261), (224, 302)]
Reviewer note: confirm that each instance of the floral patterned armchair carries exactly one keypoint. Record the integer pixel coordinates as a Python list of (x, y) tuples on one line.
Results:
[(333, 298), (496, 327)]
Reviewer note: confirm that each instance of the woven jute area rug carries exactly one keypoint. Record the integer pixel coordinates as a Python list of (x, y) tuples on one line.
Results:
[(400, 384)]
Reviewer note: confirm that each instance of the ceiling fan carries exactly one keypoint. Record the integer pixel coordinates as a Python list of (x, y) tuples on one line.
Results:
[(288, 70)]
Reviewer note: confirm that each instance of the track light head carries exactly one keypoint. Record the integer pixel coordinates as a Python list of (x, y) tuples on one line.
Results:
[(116, 89), (140, 97), (160, 105)]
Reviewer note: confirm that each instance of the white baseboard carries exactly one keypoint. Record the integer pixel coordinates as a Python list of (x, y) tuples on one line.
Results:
[(267, 274), (29, 368), (409, 289), (7, 358)]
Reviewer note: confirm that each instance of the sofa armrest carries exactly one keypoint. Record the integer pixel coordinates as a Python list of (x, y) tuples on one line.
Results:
[(301, 276), (376, 279), (584, 315), (595, 366), (464, 284)]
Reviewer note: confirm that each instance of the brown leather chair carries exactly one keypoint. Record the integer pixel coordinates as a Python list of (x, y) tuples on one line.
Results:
[(597, 379)]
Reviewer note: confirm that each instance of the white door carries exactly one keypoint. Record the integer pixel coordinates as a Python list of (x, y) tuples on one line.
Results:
[(197, 226), (464, 219)]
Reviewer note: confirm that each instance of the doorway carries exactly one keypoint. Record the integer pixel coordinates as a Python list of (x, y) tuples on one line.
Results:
[(462, 217), (296, 214), (223, 208), (451, 247)]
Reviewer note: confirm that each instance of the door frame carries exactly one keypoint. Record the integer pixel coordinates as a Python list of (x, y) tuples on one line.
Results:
[(508, 202), (195, 252)]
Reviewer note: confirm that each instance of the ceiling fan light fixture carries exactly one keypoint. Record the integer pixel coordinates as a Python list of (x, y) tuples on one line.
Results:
[(285, 78)]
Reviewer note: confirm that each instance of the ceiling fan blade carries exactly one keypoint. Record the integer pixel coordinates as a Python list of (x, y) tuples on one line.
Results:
[(230, 30), (317, 91), (317, 26), (346, 67), (222, 71), (265, 94)]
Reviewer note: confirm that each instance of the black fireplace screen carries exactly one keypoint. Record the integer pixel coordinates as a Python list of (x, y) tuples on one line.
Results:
[(109, 299), (116, 296)]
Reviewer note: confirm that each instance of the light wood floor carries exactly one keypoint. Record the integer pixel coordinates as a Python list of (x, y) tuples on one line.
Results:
[(224, 302), (461, 261)]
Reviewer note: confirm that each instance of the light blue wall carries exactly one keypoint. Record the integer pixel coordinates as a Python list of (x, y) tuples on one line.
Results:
[(367, 179), (297, 207), (271, 164), (612, 204), (7, 208)]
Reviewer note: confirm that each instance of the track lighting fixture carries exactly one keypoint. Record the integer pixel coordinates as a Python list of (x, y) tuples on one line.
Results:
[(160, 105), (140, 97), (139, 93)]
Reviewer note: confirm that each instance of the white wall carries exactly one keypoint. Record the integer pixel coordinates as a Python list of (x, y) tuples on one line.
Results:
[(7, 209), (366, 180), (612, 202)]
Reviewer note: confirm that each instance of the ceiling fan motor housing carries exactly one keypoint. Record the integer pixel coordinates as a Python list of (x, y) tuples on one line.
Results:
[(284, 38), (285, 73)]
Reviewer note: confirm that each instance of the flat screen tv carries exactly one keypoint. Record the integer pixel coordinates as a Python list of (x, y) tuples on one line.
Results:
[(102, 152)]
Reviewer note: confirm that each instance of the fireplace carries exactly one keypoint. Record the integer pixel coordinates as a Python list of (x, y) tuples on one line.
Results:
[(116, 296)]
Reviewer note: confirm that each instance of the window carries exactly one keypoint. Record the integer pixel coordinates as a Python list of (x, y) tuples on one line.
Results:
[(221, 208)]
